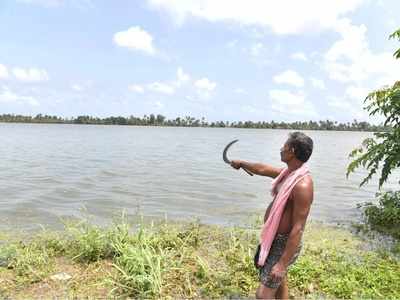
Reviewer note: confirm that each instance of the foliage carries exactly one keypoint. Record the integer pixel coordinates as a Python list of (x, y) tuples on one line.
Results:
[(384, 216), (189, 260), (396, 35), (87, 243), (187, 121), (382, 151)]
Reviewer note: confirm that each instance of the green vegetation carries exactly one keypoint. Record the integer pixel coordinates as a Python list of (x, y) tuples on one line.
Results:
[(160, 120), (384, 147), (396, 35), (384, 216), (186, 260), (382, 153)]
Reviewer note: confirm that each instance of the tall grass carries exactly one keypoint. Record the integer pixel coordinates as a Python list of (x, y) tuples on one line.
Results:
[(190, 260)]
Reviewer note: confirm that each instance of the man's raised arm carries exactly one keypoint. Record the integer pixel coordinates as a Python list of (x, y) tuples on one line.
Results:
[(257, 168)]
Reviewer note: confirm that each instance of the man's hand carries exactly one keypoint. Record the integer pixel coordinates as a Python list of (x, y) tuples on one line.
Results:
[(278, 271), (236, 164)]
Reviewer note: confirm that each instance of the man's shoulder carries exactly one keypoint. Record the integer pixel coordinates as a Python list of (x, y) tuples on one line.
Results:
[(304, 186), (305, 182)]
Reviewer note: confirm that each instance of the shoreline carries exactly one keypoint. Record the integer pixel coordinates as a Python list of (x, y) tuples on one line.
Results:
[(175, 126), (186, 260), (244, 221)]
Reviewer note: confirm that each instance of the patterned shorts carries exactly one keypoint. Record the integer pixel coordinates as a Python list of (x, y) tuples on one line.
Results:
[(275, 253)]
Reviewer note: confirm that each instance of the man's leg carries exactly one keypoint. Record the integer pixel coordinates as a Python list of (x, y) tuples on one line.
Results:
[(264, 292), (283, 290)]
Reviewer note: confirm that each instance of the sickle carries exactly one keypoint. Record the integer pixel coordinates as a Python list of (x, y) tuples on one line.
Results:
[(225, 157)]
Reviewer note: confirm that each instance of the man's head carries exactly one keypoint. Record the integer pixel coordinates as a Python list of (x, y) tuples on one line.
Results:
[(298, 146)]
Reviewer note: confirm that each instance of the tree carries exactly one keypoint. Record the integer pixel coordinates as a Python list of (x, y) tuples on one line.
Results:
[(160, 119), (383, 150), (395, 35)]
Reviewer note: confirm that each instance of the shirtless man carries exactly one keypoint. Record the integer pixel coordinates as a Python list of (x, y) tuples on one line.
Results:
[(287, 243)]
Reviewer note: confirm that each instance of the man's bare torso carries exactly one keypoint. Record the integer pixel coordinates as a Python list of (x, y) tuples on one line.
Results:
[(286, 223)]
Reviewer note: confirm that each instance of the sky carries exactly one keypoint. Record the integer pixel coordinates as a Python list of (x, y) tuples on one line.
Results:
[(225, 60)]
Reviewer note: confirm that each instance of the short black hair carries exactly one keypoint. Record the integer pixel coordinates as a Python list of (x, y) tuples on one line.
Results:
[(301, 144)]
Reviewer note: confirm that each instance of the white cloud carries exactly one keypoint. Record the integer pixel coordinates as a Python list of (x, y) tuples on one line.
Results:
[(317, 83), (159, 104), (136, 88), (351, 103), (8, 96), (205, 84), (356, 92), (82, 86), (182, 76), (259, 54), (299, 56), (289, 77), (289, 103), (183, 82), (346, 106), (30, 75), (306, 15), (286, 98), (204, 88), (135, 38), (350, 59), (167, 88), (338, 102), (161, 87), (3, 72)]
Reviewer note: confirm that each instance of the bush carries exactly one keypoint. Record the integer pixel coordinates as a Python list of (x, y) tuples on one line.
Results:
[(385, 215)]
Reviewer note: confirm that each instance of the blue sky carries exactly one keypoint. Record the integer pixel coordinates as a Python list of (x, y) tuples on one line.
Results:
[(224, 60)]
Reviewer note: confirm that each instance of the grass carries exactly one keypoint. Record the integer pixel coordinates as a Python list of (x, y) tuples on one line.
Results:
[(187, 260)]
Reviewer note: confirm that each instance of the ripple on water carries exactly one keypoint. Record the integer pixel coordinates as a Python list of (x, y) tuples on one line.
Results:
[(51, 171)]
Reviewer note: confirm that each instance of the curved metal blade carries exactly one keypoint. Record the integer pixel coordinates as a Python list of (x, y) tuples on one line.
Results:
[(224, 156)]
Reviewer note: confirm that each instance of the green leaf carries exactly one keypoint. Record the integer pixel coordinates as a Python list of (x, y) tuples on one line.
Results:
[(384, 147)]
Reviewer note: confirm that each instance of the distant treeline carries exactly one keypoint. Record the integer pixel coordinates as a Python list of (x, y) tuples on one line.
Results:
[(187, 121)]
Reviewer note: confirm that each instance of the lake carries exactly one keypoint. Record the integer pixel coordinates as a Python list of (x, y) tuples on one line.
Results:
[(53, 171)]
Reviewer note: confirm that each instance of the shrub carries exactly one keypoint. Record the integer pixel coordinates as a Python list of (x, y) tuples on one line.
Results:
[(385, 215)]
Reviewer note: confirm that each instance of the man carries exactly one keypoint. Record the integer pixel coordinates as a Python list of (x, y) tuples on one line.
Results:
[(286, 243)]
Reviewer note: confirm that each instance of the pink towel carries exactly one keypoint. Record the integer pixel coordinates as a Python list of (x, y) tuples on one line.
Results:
[(270, 227)]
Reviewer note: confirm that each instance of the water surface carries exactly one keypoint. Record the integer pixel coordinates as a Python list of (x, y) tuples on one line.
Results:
[(52, 171)]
